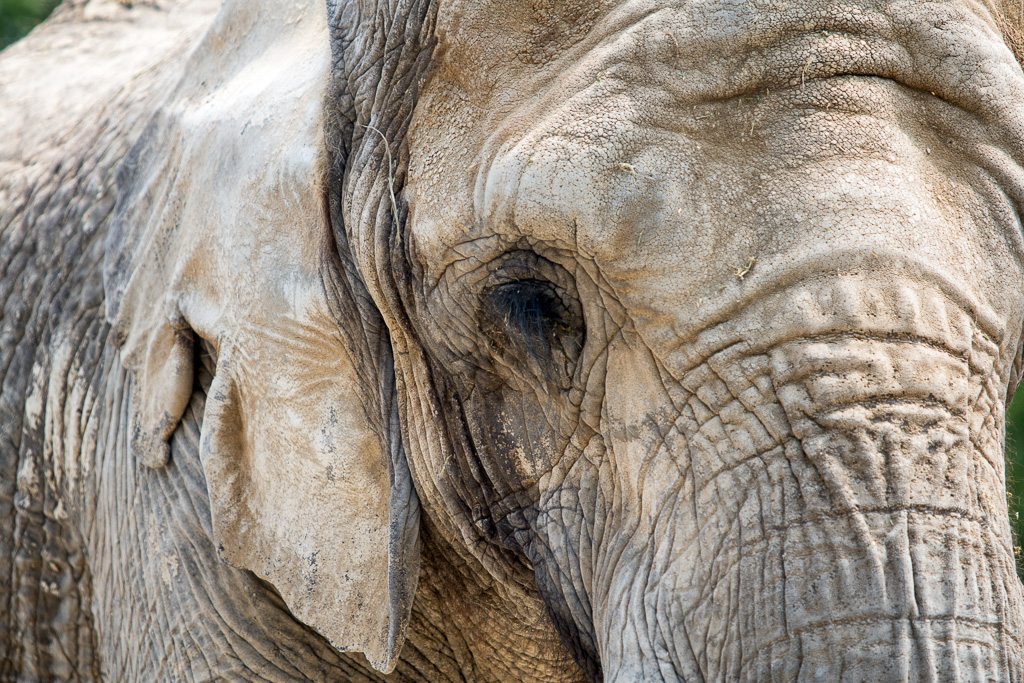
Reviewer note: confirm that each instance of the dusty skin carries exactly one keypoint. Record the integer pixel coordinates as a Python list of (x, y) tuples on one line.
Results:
[(510, 340)]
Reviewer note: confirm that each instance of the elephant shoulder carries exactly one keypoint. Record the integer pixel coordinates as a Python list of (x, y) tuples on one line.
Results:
[(88, 60)]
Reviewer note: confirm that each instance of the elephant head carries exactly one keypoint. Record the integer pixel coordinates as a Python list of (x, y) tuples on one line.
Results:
[(721, 304), (682, 330)]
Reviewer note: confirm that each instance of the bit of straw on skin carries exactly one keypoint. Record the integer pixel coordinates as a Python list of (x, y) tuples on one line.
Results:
[(391, 177), (742, 272)]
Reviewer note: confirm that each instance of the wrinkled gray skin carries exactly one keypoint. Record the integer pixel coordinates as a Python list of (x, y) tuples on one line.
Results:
[(750, 428)]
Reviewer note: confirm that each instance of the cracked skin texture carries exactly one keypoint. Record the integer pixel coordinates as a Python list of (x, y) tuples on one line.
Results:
[(797, 251), (686, 360)]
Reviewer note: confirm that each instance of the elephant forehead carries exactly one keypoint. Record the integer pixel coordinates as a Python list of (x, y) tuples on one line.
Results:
[(711, 47), (535, 132)]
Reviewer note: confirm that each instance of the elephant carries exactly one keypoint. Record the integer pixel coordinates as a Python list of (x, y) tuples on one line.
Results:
[(494, 340)]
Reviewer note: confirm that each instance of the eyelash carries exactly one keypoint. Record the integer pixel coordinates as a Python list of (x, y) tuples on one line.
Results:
[(529, 320), (531, 307)]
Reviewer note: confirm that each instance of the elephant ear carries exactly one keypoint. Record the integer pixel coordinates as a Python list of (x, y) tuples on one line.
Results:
[(220, 232)]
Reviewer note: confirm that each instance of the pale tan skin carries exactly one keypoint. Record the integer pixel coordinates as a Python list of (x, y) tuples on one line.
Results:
[(251, 280), (785, 235), (809, 256)]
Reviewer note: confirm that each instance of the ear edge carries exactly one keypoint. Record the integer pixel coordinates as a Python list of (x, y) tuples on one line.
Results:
[(162, 367), (354, 589)]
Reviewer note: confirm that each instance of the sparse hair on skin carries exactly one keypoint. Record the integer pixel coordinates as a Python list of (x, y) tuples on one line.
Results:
[(1010, 19), (535, 324)]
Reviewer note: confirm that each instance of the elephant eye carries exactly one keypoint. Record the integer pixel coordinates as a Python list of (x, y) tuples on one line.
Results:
[(531, 321), (531, 308)]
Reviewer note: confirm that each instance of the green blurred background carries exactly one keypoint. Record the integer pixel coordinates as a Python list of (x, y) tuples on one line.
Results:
[(17, 17), (1015, 468)]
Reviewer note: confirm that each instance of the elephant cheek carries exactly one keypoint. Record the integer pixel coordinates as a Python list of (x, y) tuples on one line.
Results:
[(830, 508)]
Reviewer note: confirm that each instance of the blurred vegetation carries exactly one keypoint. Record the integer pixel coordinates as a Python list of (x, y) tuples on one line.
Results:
[(17, 17), (1015, 469)]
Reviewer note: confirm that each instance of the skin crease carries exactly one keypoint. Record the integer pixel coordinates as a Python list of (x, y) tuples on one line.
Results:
[(680, 353)]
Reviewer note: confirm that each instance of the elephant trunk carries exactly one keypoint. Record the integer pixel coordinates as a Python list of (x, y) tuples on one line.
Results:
[(841, 514)]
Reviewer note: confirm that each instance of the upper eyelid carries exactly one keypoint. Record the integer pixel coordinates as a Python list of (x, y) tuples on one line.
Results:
[(557, 292), (525, 264)]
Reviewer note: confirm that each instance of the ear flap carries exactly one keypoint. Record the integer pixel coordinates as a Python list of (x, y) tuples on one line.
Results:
[(220, 230)]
